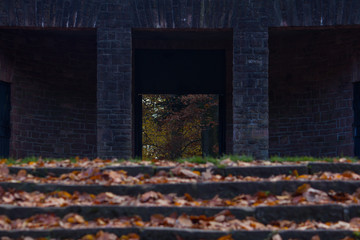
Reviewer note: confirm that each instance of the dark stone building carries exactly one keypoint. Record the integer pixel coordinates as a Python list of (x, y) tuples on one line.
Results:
[(69, 70)]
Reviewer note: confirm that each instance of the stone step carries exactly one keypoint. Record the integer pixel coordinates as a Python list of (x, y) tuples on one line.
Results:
[(152, 233), (264, 214), (260, 171), (204, 190)]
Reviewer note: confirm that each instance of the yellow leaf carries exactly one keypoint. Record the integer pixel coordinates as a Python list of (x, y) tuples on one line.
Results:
[(139, 223), (226, 237), (64, 194), (71, 220), (303, 188), (88, 237)]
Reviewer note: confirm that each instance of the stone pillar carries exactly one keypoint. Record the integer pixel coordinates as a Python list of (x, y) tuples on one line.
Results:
[(250, 93), (114, 105)]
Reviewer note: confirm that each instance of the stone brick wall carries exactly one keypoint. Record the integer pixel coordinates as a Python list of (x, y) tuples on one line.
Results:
[(114, 86), (114, 19), (53, 97), (250, 121), (310, 91)]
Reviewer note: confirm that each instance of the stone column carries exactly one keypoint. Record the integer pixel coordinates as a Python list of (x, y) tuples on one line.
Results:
[(114, 105)]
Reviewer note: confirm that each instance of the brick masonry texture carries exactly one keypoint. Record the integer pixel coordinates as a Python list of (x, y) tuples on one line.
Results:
[(114, 19), (310, 91), (53, 92)]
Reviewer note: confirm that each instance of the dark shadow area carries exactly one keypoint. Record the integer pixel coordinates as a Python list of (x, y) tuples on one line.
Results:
[(311, 75), (181, 63), (52, 73)]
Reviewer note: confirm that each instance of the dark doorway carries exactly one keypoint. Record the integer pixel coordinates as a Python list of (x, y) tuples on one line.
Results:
[(4, 119), (179, 72), (356, 106), (181, 67)]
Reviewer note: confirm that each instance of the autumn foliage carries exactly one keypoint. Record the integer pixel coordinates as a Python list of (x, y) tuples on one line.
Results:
[(177, 126)]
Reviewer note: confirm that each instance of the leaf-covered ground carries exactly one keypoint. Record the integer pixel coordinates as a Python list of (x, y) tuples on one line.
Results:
[(305, 195), (99, 235), (93, 173), (223, 221), (176, 175), (231, 161)]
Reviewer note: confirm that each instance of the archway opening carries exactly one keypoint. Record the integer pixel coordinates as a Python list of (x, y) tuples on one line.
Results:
[(189, 68)]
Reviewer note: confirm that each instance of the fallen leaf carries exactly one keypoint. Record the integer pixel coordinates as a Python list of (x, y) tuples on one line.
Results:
[(105, 236), (206, 175), (4, 170), (188, 197), (355, 222), (226, 237), (88, 237), (314, 195), (316, 237), (74, 218), (184, 221), (157, 219), (149, 195), (180, 171), (133, 236), (276, 237), (295, 173), (303, 188)]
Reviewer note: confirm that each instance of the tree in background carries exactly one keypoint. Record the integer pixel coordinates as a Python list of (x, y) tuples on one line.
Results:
[(179, 126)]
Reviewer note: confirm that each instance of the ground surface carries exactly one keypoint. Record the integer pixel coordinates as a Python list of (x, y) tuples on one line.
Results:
[(99, 199)]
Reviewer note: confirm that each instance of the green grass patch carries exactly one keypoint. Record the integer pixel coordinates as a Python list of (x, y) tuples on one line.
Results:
[(309, 159), (356, 235), (196, 159), (28, 160)]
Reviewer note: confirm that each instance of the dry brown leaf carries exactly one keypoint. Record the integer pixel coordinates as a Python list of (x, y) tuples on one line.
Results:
[(157, 219), (74, 218), (4, 170), (207, 175), (184, 221), (188, 197), (227, 162), (276, 237), (355, 222), (316, 237), (21, 174), (105, 236), (149, 195), (180, 171), (188, 173), (133, 236), (314, 195)]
